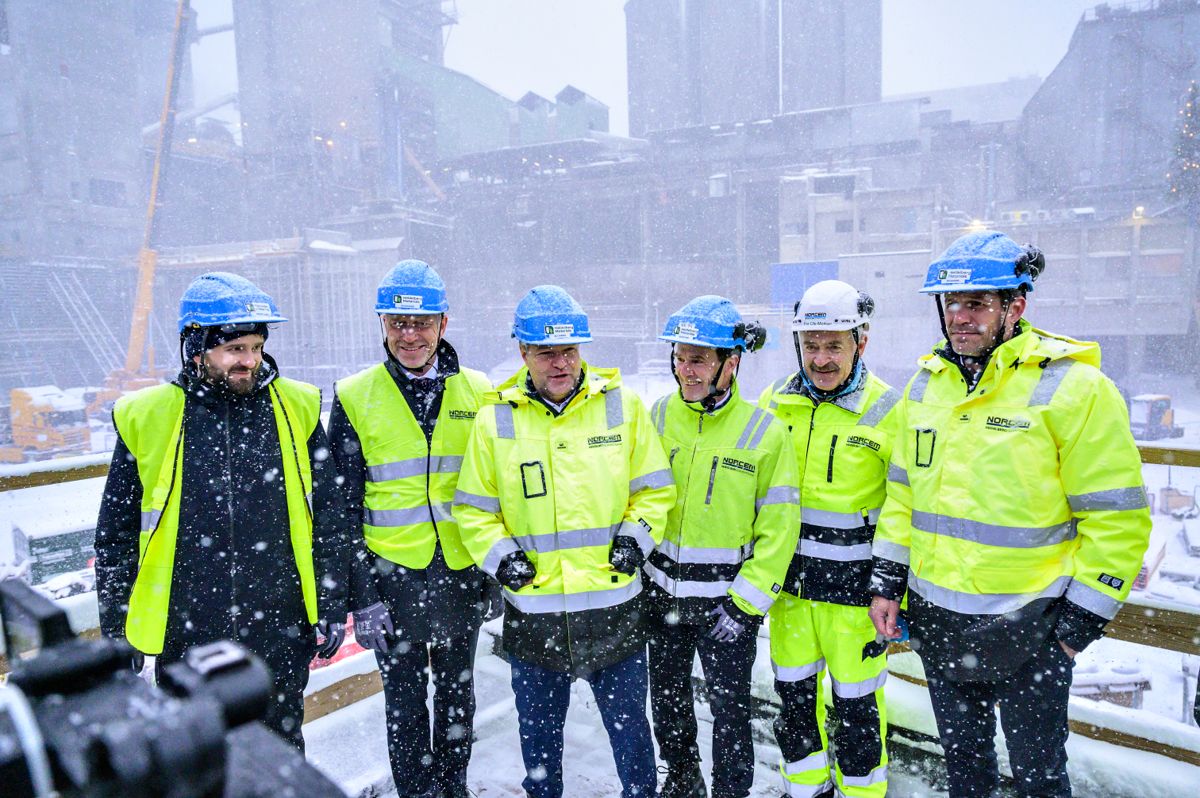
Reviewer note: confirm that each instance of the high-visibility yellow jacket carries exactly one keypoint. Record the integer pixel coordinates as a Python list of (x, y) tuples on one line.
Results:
[(843, 446), (151, 424), (734, 524), (410, 483), (1014, 507), (560, 487)]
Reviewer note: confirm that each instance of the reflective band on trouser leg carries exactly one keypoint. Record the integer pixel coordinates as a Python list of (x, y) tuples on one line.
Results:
[(799, 668), (858, 699)]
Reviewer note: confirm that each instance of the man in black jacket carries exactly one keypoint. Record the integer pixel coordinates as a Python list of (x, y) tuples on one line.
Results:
[(221, 518), (398, 430)]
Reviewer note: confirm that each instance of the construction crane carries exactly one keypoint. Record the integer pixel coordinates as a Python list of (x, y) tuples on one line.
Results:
[(139, 371)]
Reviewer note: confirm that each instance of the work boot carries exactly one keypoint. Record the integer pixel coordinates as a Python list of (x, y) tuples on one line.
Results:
[(684, 782)]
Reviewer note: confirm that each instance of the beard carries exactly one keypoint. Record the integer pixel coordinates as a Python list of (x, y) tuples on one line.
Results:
[(237, 381)]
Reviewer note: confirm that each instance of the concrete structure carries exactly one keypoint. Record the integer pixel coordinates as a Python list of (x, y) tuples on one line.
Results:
[(706, 61)]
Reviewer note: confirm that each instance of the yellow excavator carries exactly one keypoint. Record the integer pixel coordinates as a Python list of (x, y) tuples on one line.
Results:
[(1152, 418)]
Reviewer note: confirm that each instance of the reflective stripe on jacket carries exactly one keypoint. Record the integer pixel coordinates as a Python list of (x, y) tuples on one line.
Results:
[(560, 488), (151, 424), (1025, 489), (410, 483), (843, 447), (734, 524)]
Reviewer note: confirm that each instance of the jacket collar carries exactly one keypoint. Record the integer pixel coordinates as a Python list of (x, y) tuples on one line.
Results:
[(1030, 345), (730, 401), (595, 381), (447, 363), (796, 392)]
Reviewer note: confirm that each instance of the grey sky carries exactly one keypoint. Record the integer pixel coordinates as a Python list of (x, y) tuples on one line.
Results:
[(515, 46)]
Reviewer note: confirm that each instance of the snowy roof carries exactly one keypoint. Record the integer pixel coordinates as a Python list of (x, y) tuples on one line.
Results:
[(71, 399)]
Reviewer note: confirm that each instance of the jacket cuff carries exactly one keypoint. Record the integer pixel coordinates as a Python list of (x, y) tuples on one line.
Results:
[(888, 579), (1078, 627)]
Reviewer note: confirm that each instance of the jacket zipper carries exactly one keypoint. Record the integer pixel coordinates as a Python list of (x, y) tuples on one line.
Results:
[(229, 507), (832, 450), (712, 477), (683, 509)]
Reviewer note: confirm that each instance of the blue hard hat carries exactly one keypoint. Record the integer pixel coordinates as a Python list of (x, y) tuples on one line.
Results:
[(983, 261), (549, 316), (219, 298), (708, 320), (411, 288)]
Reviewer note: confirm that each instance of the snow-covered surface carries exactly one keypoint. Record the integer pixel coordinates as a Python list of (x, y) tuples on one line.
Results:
[(53, 509), (350, 745)]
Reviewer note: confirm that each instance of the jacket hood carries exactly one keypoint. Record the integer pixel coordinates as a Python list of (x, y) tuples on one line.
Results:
[(1030, 344)]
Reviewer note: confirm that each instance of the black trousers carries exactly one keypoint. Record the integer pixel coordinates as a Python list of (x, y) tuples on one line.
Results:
[(1033, 715), (726, 669), (418, 760)]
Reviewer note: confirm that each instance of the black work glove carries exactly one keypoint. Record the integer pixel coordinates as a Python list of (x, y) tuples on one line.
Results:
[(730, 622), (626, 555), (333, 634), (492, 600), (515, 571), (372, 625)]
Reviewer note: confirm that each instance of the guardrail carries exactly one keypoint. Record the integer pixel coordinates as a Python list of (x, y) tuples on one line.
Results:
[(1138, 621)]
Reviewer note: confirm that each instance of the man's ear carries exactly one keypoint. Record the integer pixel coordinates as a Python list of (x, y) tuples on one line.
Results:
[(1016, 310)]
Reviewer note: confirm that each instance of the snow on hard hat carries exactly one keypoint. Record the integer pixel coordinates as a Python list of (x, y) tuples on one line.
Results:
[(832, 305), (547, 315), (984, 261), (220, 298), (411, 288)]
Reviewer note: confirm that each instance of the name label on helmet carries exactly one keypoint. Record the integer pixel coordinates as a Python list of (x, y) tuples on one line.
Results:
[(258, 308), (957, 276), (559, 330), (407, 301), (685, 329)]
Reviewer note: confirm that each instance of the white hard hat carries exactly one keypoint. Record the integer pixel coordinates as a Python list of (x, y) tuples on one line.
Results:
[(832, 305)]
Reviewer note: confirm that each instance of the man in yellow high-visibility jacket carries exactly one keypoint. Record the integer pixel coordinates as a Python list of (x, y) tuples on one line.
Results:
[(221, 516), (564, 491), (838, 412), (398, 431), (1015, 517), (728, 542)]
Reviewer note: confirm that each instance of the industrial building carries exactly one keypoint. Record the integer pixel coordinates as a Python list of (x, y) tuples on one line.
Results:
[(699, 62), (344, 164)]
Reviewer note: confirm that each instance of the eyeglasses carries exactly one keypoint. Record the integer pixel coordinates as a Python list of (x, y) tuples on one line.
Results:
[(414, 325)]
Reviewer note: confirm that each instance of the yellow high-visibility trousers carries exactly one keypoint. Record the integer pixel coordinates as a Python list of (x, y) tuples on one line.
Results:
[(809, 638)]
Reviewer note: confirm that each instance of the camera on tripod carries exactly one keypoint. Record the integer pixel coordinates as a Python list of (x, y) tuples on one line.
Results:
[(75, 720)]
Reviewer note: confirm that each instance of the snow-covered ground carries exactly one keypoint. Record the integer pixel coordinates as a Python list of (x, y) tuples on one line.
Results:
[(350, 745)]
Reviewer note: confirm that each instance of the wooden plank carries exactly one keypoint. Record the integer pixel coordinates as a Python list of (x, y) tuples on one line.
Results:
[(348, 691), (1162, 455), (1170, 629), (51, 477)]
